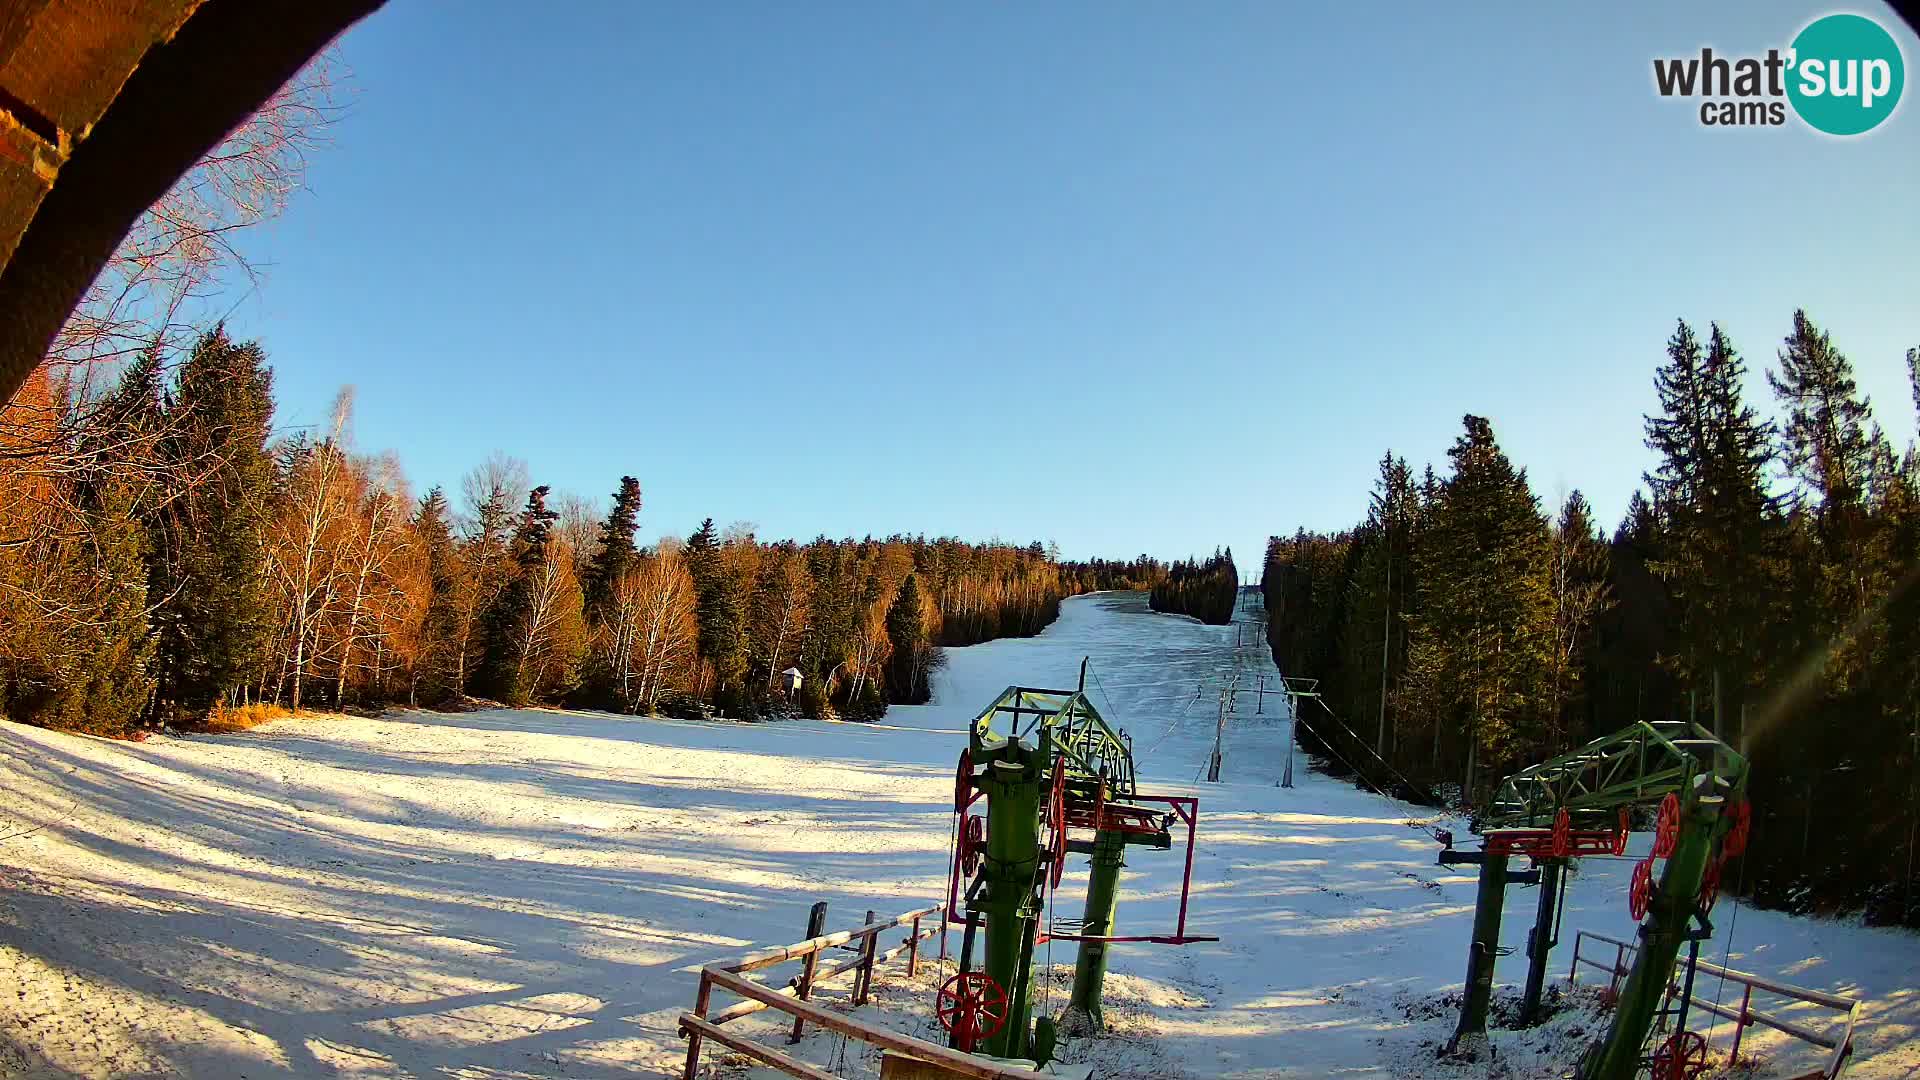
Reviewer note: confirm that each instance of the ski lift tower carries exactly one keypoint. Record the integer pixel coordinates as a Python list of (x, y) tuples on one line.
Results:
[(1579, 804), (1046, 763)]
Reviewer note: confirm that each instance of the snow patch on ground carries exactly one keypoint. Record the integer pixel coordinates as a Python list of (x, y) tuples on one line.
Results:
[(525, 893)]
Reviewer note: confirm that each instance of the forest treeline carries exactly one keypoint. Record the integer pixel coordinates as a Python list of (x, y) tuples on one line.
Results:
[(165, 555), (1763, 582), (1205, 590)]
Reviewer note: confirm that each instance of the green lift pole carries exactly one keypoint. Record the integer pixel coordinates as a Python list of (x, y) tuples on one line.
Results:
[(1495, 876), (1665, 930), (1047, 735), (1103, 897), (1584, 794), (1013, 778), (1492, 898), (1542, 940)]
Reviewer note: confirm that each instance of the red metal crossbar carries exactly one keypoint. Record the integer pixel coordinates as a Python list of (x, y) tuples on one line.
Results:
[(1538, 843), (1187, 809), (1154, 939)]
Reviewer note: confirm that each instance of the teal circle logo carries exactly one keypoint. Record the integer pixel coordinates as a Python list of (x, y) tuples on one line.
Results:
[(1845, 74)]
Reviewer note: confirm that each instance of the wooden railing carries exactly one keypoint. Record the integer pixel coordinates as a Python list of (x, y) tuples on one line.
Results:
[(730, 976), (1840, 1044)]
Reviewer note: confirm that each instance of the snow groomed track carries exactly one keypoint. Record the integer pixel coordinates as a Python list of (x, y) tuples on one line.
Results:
[(522, 894)]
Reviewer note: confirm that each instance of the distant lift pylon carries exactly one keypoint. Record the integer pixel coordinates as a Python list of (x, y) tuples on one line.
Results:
[(1580, 804)]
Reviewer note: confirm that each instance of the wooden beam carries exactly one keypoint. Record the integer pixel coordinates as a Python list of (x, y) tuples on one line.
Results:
[(770, 957), (765, 1055), (979, 1068)]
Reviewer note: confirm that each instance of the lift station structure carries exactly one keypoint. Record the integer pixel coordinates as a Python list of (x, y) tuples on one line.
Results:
[(1581, 804), (1048, 766)]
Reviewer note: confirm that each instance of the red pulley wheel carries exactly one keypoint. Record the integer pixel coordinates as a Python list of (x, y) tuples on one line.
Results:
[(1620, 838), (1682, 1057), (1666, 828), (1709, 887), (973, 840), (1640, 890), (971, 1006), (1736, 841), (963, 783), (1562, 833)]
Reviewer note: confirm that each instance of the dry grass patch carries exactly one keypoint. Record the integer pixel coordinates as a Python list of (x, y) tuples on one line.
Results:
[(228, 720)]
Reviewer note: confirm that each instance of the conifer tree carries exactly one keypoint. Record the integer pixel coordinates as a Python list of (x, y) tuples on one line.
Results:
[(1913, 376), (209, 557), (437, 674), (1580, 592), (504, 673), (719, 610), (1722, 542), (1827, 444), (616, 554), (108, 653), (1841, 461), (1376, 598), (910, 662), (1487, 611)]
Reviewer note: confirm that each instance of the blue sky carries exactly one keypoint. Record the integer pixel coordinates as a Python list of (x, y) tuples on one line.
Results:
[(1126, 276)]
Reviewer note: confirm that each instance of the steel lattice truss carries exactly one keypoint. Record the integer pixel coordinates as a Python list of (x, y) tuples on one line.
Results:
[(1632, 766), (1075, 728)]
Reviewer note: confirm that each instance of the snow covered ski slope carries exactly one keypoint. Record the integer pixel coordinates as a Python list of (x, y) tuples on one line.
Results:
[(520, 894)]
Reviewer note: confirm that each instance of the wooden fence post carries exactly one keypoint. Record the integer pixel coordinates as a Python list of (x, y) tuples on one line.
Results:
[(700, 1003), (863, 981), (913, 948), (816, 925)]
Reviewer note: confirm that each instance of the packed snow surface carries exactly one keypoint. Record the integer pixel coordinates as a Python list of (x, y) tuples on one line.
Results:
[(525, 893)]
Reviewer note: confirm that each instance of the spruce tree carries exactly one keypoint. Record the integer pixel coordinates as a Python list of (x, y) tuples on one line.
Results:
[(1487, 610), (1827, 442), (1723, 544), (1839, 458), (437, 676), (1580, 593), (911, 662), (1913, 377), (109, 650), (617, 553), (209, 559), (504, 670), (719, 611)]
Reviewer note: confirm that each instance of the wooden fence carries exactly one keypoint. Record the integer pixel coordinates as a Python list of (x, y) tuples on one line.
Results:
[(730, 976)]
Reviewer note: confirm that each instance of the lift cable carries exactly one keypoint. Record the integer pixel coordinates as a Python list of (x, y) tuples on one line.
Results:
[(1726, 954), (1328, 747), (1397, 774)]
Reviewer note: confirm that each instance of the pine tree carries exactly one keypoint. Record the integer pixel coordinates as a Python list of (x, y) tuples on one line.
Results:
[(1722, 549), (608, 681), (108, 652), (616, 554), (1376, 599), (1580, 593), (437, 675), (1487, 610), (1833, 450), (1913, 376), (1827, 445), (719, 609), (504, 670), (910, 662), (209, 559)]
